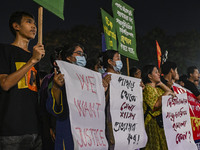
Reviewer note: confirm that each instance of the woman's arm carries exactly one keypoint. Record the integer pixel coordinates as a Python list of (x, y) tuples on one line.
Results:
[(167, 91)]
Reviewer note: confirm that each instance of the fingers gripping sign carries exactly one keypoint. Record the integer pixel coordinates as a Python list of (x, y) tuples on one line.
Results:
[(58, 79)]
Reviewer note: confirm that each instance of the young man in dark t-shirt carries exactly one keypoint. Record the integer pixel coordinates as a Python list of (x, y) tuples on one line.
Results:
[(170, 72), (193, 75), (18, 86)]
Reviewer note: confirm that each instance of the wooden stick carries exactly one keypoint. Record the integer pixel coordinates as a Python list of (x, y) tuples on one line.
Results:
[(40, 22), (127, 62)]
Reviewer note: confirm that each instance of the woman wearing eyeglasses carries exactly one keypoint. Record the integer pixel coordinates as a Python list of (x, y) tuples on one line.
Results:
[(75, 54), (57, 100)]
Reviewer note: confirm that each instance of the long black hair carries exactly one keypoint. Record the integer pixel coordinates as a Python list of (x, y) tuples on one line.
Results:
[(146, 70), (69, 49), (109, 54), (133, 71)]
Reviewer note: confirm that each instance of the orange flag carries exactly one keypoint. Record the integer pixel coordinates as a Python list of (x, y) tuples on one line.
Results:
[(159, 53)]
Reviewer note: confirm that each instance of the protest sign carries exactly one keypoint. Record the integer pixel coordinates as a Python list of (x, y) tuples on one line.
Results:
[(194, 107), (177, 124), (126, 107), (54, 6), (109, 30), (123, 16), (86, 100)]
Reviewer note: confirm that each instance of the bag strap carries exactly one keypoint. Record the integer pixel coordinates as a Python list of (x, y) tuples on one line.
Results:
[(147, 111)]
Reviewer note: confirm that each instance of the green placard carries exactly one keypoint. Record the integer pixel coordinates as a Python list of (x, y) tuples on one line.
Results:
[(54, 6), (109, 30), (125, 25)]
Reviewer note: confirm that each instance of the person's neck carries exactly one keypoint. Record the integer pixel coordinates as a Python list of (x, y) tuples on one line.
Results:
[(152, 84), (191, 80), (168, 77), (22, 43), (111, 70)]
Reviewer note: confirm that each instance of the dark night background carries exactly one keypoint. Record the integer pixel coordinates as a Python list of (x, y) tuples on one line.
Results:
[(175, 24)]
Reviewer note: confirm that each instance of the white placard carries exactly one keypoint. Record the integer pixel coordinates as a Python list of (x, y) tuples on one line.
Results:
[(177, 124), (86, 100), (126, 107)]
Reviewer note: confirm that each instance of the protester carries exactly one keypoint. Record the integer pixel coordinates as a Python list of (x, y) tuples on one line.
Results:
[(47, 119), (182, 80), (193, 74), (152, 102), (57, 100), (74, 54), (170, 73), (136, 72), (19, 82), (95, 64), (113, 64)]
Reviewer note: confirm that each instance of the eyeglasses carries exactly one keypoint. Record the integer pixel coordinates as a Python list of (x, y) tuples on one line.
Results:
[(81, 53)]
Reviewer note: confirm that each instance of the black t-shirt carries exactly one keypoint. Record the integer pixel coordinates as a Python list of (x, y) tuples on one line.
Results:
[(19, 105), (191, 86), (165, 82)]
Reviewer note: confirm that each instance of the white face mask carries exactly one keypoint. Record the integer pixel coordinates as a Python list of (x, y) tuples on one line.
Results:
[(118, 66), (80, 61), (101, 70)]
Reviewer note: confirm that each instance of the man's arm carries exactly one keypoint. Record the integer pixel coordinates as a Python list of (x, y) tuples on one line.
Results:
[(8, 81)]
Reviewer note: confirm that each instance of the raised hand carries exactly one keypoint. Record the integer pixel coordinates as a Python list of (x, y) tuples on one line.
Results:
[(58, 79), (38, 53)]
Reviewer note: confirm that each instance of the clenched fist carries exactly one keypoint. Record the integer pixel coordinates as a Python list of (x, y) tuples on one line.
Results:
[(38, 53)]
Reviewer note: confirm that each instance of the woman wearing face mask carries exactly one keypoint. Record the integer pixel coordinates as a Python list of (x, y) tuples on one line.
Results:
[(95, 65), (113, 64), (57, 103), (74, 54)]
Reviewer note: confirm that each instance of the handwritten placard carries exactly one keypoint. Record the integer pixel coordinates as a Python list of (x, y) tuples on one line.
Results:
[(177, 125), (86, 100), (126, 107), (194, 107), (125, 26)]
